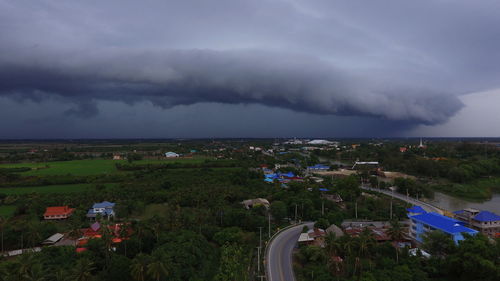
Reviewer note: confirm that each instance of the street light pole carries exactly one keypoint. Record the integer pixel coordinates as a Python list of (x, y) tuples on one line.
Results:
[(269, 224)]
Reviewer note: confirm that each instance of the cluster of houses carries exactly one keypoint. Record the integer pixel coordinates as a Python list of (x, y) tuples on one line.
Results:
[(271, 176), (118, 232), (104, 210)]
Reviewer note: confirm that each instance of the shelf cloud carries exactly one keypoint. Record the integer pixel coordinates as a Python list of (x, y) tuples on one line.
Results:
[(320, 57)]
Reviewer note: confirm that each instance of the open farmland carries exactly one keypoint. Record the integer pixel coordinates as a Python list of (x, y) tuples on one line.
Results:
[(46, 189), (89, 167)]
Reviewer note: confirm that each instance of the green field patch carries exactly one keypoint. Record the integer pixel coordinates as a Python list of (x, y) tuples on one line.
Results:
[(47, 189), (7, 211), (89, 167)]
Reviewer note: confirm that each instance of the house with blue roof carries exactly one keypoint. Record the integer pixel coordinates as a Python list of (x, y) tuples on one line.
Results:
[(105, 209), (486, 222), (318, 167), (415, 210), (422, 222)]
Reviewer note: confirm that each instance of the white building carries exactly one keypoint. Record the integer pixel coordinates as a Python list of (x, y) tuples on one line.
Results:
[(171, 154)]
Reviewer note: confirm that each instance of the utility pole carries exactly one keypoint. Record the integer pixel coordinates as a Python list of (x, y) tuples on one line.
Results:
[(392, 196), (258, 260), (302, 215), (260, 236), (322, 207), (356, 208), (295, 212), (258, 249), (269, 224)]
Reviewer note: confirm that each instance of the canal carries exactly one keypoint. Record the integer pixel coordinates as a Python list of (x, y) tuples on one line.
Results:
[(451, 203)]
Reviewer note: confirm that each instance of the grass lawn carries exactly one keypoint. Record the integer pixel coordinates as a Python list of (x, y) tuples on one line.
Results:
[(67, 188), (89, 167), (7, 211)]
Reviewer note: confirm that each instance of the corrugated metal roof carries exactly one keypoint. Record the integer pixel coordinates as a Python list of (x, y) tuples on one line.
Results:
[(53, 239), (443, 223), (487, 216), (416, 209)]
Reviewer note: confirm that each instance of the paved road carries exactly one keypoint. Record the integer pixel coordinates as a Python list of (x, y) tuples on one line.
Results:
[(426, 206), (279, 254)]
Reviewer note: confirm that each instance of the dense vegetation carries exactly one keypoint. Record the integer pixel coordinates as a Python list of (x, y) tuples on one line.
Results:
[(362, 258), (187, 222)]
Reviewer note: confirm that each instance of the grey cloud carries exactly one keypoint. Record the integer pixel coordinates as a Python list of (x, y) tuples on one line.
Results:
[(174, 77), (404, 63)]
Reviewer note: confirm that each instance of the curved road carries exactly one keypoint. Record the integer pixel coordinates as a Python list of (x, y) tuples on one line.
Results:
[(279, 254), (426, 206)]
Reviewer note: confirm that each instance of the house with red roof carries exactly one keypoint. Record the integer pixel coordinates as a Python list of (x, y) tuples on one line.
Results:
[(95, 232), (58, 213)]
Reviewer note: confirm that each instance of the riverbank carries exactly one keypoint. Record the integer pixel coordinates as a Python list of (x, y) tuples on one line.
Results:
[(481, 189)]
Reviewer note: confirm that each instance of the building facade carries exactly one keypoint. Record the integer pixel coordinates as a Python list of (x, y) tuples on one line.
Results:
[(58, 213), (105, 209), (486, 222), (422, 222)]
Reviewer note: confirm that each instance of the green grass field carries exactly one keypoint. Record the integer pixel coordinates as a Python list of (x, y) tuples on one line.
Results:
[(67, 188), (88, 167), (7, 210)]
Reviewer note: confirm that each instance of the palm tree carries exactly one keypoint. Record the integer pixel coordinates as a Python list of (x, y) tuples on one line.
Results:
[(26, 262), (139, 267), (124, 234), (155, 224), (397, 234), (157, 269), (60, 275), (3, 222), (107, 238), (36, 273), (396, 231), (83, 270), (333, 246), (32, 235), (349, 246)]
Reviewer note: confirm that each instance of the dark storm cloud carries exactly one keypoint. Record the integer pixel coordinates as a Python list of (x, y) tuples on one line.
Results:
[(170, 78), (389, 60)]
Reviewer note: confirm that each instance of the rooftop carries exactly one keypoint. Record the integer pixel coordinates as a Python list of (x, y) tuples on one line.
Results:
[(487, 216), (442, 223), (416, 209)]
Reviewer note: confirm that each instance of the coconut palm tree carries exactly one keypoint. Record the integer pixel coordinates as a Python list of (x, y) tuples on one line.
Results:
[(139, 267), (332, 244), (35, 273), (396, 231), (82, 270), (3, 222), (123, 233), (107, 238), (25, 262), (157, 269), (397, 234), (60, 275)]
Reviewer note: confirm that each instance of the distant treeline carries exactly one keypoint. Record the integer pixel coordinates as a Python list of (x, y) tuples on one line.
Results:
[(206, 164), (14, 170)]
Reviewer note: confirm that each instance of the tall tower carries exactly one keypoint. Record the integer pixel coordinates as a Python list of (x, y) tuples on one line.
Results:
[(421, 145)]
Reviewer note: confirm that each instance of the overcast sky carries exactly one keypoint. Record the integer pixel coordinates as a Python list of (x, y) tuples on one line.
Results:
[(243, 68)]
